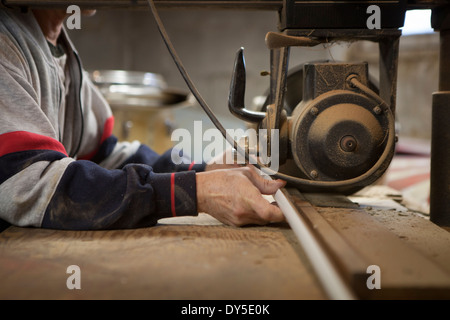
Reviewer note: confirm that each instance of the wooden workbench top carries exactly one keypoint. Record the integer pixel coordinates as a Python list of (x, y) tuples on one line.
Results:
[(180, 258), (199, 258)]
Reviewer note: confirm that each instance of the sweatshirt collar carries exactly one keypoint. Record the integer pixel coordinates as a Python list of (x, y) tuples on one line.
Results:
[(28, 22)]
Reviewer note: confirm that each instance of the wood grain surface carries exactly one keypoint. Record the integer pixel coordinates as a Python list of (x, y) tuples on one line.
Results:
[(431, 240), (409, 268), (412, 253), (200, 258), (191, 258)]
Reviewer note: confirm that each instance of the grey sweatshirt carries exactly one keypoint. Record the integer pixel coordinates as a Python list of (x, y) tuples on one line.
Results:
[(60, 165)]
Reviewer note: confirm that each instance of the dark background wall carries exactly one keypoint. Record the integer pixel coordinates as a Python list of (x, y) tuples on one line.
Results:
[(207, 41)]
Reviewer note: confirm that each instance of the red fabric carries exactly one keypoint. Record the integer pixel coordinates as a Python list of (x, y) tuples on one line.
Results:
[(107, 132), (17, 141)]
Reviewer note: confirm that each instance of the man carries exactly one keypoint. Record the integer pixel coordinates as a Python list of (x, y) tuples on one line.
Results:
[(60, 166)]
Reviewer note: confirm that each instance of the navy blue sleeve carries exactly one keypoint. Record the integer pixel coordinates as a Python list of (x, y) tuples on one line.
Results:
[(146, 188), (105, 149), (89, 197), (145, 155), (162, 163)]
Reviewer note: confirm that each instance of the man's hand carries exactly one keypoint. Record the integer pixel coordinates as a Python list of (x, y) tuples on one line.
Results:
[(234, 196)]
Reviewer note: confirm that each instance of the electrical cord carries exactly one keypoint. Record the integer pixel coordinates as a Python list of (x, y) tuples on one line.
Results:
[(299, 182)]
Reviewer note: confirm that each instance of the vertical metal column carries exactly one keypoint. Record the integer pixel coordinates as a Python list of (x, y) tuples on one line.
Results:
[(440, 135)]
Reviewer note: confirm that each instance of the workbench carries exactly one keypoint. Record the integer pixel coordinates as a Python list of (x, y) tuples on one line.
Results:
[(199, 258), (180, 258)]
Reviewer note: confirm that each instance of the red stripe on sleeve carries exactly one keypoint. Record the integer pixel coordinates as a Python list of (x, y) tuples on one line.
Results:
[(17, 141), (172, 194), (107, 132), (107, 129), (191, 165)]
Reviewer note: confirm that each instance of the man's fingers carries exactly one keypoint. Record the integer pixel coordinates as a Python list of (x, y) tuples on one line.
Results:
[(264, 210), (269, 212), (265, 186)]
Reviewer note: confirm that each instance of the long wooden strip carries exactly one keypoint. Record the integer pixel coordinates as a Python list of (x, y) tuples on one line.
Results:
[(329, 277), (352, 267)]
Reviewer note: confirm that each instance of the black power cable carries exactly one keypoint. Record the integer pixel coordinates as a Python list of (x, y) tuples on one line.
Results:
[(299, 182)]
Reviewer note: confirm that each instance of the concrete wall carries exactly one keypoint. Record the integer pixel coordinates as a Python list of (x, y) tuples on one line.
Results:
[(207, 40), (418, 75)]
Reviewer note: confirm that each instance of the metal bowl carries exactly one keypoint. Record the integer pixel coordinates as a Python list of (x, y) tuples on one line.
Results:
[(117, 77), (138, 90)]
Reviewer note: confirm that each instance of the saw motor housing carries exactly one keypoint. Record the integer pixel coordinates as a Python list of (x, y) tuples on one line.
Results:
[(337, 132)]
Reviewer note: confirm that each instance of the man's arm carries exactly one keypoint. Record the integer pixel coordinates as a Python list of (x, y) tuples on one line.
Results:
[(41, 186)]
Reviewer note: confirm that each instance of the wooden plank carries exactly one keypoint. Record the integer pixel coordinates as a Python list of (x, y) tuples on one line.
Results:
[(325, 199), (417, 231), (350, 264), (325, 270), (195, 258), (406, 273), (417, 268)]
